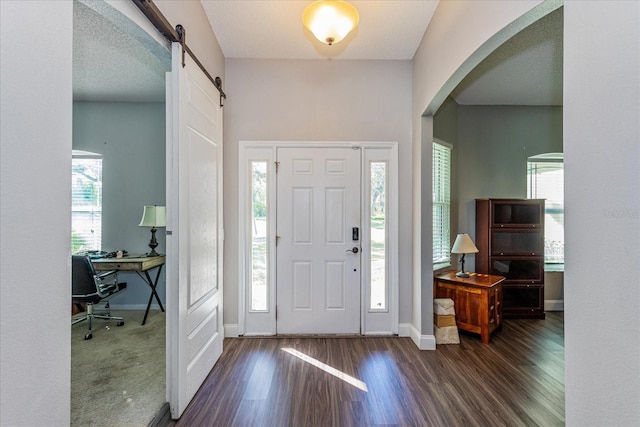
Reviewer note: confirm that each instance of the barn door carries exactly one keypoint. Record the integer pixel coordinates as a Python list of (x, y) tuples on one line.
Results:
[(194, 228)]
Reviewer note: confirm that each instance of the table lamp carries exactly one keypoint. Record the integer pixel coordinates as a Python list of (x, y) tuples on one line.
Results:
[(154, 216), (463, 245)]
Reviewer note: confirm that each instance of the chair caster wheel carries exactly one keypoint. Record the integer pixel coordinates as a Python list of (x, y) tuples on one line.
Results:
[(88, 336), (120, 323)]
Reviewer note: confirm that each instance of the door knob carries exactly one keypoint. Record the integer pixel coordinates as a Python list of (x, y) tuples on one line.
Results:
[(355, 250)]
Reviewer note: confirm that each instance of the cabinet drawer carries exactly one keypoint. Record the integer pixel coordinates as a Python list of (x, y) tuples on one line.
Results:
[(521, 242), (518, 269), (523, 297), (517, 213)]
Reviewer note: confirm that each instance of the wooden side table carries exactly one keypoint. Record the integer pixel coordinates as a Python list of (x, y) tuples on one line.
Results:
[(477, 299)]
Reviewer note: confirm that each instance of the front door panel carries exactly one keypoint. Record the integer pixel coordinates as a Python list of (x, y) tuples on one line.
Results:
[(318, 262)]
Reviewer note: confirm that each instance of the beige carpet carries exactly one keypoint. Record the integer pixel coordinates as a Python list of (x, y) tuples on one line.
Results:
[(118, 377)]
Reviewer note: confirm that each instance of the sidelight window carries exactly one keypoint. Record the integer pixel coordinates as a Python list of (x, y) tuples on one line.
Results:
[(378, 233), (259, 201)]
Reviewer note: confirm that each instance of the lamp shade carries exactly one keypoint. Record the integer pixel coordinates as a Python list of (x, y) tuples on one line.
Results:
[(154, 216), (330, 20), (463, 245)]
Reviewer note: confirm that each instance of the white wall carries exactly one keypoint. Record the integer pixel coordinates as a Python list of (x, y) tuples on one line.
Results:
[(36, 142), (305, 100), (601, 111), (131, 138), (602, 183), (602, 212), (461, 34), (35, 221), (200, 37)]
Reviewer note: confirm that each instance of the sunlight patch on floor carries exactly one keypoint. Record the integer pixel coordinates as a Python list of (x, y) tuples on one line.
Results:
[(329, 369)]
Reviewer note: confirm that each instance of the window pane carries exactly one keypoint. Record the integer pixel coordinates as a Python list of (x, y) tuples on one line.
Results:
[(545, 180), (86, 204), (441, 203), (259, 292), (378, 235)]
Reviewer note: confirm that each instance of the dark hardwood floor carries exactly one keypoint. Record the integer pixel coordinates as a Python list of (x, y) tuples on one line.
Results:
[(516, 380)]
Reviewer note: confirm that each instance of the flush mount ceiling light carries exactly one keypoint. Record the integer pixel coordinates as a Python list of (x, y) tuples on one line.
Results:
[(330, 20)]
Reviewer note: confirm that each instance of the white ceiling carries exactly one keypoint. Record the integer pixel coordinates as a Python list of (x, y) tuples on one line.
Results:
[(388, 29), (111, 65)]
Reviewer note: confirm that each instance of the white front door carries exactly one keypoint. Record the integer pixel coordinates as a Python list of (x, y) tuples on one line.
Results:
[(318, 257), (194, 225)]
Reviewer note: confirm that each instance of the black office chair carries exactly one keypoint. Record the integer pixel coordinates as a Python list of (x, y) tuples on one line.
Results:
[(89, 287)]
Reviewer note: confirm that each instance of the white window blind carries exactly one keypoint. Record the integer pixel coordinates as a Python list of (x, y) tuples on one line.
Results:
[(545, 180), (86, 201), (441, 203)]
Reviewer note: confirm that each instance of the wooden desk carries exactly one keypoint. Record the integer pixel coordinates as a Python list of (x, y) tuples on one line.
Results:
[(140, 265), (477, 300)]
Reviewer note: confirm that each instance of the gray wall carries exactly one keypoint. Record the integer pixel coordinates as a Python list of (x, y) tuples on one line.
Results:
[(493, 147), (494, 144), (445, 128), (131, 138), (311, 100)]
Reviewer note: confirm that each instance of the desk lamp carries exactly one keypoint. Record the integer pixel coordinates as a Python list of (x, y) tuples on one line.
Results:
[(154, 216), (463, 245)]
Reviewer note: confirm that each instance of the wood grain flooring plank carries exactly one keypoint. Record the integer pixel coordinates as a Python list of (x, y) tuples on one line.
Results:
[(516, 380)]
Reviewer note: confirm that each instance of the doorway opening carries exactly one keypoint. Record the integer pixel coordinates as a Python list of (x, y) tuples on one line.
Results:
[(119, 117)]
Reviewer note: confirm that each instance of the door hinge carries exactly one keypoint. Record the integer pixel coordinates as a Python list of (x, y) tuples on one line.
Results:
[(277, 166), (277, 239), (276, 313)]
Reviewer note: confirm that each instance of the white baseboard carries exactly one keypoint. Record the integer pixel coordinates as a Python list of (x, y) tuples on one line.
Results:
[(231, 330), (404, 329), (554, 305), (424, 342)]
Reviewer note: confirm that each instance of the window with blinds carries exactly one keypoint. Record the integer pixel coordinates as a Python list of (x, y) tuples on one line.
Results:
[(441, 203), (545, 180), (86, 201)]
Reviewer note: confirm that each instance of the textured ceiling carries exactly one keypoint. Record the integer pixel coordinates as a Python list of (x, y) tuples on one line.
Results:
[(526, 70), (112, 63)]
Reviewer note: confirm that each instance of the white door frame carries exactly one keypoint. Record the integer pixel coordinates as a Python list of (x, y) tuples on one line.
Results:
[(373, 322)]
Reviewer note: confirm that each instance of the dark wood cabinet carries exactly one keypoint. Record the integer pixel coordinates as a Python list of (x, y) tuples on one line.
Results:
[(477, 300), (510, 240)]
